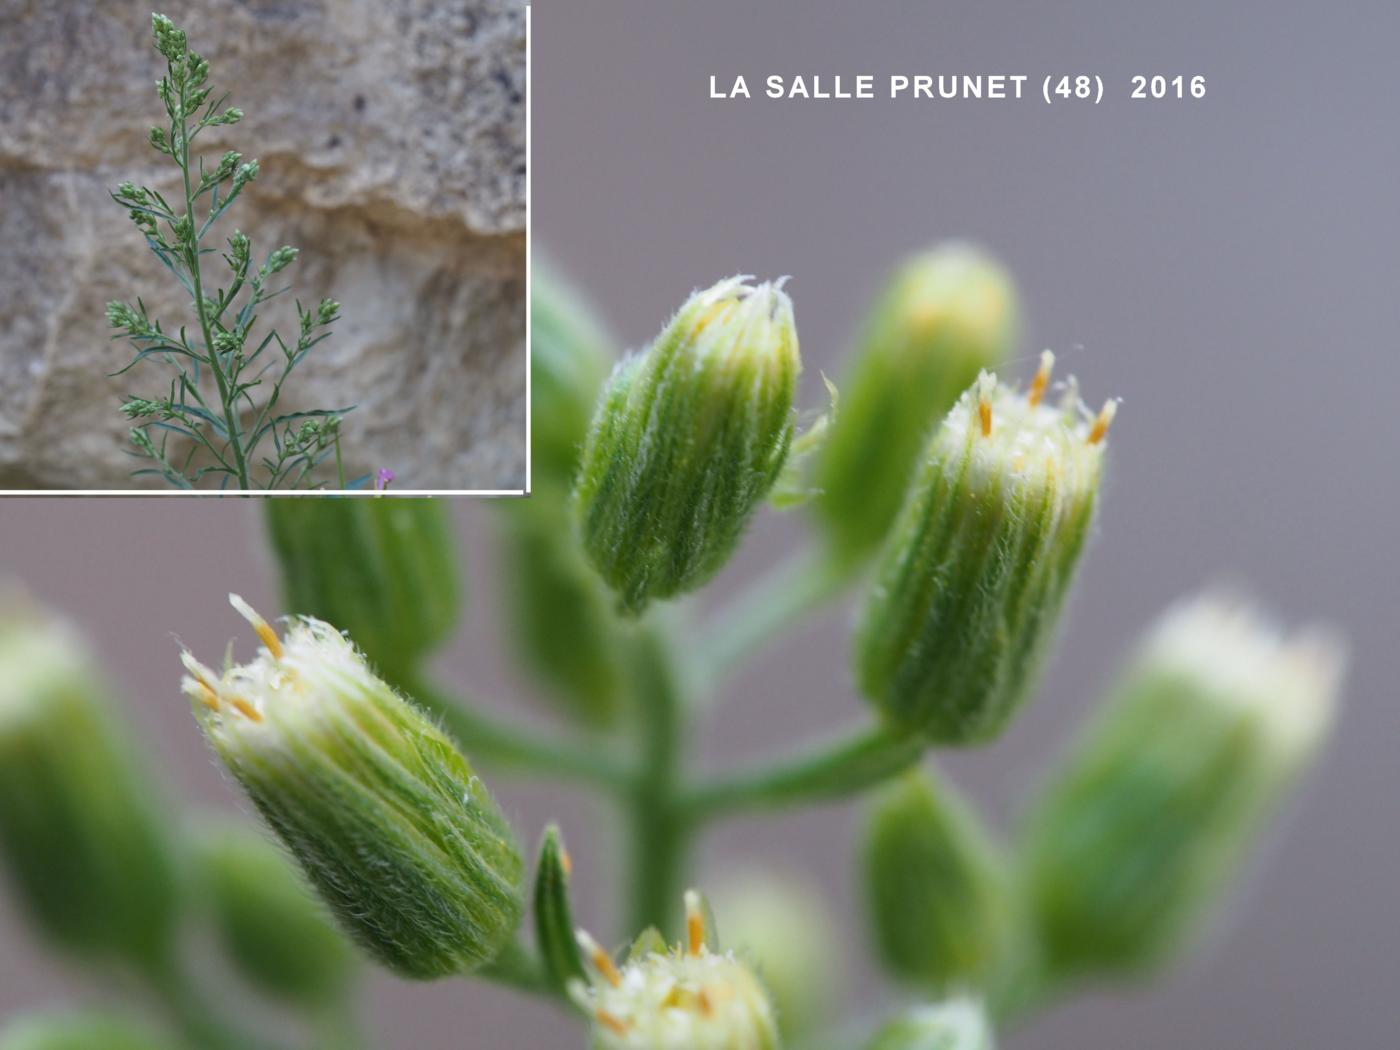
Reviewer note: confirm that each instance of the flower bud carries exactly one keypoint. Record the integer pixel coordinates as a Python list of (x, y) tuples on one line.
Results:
[(87, 1030), (80, 833), (944, 316), (936, 886), (688, 438), (382, 570), (271, 927), (690, 997), (1137, 836), (959, 1024), (783, 926), (390, 824), (976, 568), (563, 621), (569, 359)]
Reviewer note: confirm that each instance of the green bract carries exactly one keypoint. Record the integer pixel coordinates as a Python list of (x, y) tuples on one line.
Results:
[(972, 579), (943, 316), (278, 934), (1137, 836), (391, 825), (687, 440), (690, 997), (937, 888), (569, 359), (382, 570), (80, 832), (957, 1025)]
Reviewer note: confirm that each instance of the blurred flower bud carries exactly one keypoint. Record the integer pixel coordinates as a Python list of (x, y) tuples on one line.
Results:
[(972, 579), (562, 617), (569, 359), (690, 997), (781, 924), (687, 440), (936, 886), (86, 1030), (382, 570), (394, 830), (944, 316), (84, 842), (1158, 807), (959, 1024), (270, 925)]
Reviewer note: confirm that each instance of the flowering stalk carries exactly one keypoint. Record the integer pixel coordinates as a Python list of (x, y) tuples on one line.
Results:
[(223, 429)]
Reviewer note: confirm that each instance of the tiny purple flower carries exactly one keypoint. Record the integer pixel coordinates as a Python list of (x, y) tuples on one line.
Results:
[(382, 479)]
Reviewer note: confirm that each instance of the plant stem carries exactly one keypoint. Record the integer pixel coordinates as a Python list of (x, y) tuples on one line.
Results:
[(660, 838), (230, 413), (833, 770), (518, 968), (191, 1013), (504, 745), (770, 606)]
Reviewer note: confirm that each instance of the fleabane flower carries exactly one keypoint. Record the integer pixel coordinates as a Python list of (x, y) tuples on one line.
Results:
[(393, 829), (975, 571), (1140, 832), (688, 997), (686, 441)]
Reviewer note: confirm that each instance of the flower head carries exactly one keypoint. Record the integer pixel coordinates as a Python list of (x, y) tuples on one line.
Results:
[(392, 826), (690, 997)]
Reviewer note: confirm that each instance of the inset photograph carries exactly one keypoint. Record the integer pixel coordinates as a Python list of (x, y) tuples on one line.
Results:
[(261, 247)]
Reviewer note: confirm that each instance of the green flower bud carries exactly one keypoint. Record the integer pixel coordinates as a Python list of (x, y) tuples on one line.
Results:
[(690, 997), (1154, 813), (394, 830), (382, 570), (689, 437), (937, 887), (274, 930), (569, 359), (554, 927), (944, 316), (563, 621), (959, 1024), (782, 926), (80, 832), (170, 39), (87, 1030), (971, 582)]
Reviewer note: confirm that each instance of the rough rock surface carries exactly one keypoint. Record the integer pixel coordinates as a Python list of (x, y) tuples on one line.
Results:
[(391, 136)]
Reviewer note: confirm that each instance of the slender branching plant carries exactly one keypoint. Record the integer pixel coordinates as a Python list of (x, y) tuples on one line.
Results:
[(220, 414), (354, 753)]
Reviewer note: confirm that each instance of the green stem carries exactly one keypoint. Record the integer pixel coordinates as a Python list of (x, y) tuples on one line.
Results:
[(833, 770), (191, 1013), (230, 413), (520, 969), (660, 838), (507, 746), (772, 605)]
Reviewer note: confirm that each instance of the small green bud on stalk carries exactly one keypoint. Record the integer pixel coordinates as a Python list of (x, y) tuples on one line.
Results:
[(87, 1030), (937, 887), (570, 354), (80, 832), (382, 570), (783, 925), (563, 620), (959, 1024), (690, 997), (277, 933), (973, 576), (944, 316), (688, 438), (394, 830), (1136, 838)]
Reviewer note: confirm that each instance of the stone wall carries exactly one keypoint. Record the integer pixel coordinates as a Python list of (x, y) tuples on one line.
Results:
[(391, 137)]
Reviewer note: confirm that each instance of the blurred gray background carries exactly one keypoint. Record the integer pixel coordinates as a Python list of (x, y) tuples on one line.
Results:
[(1227, 267)]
